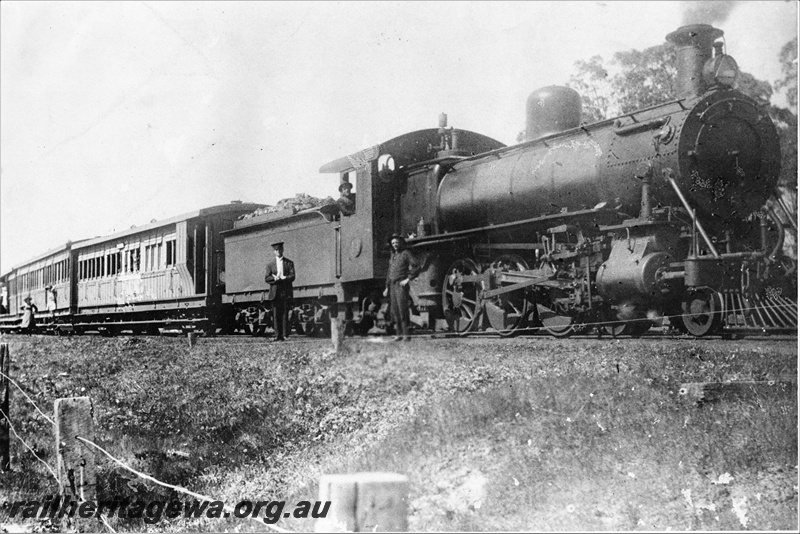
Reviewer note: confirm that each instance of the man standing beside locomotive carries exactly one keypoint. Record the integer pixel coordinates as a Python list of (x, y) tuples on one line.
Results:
[(402, 270), (280, 275)]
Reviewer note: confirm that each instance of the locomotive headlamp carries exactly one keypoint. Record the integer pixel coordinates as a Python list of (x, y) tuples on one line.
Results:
[(721, 70)]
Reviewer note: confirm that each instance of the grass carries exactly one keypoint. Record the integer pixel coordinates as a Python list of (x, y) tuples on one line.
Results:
[(534, 434)]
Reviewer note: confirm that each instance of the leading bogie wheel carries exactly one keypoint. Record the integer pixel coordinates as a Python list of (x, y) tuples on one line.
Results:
[(702, 312)]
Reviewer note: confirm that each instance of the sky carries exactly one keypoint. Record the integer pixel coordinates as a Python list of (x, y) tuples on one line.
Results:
[(113, 114)]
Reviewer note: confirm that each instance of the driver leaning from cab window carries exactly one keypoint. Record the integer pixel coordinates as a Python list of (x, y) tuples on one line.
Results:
[(347, 200)]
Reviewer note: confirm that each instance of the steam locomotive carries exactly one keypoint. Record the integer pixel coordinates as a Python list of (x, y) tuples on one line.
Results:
[(617, 225)]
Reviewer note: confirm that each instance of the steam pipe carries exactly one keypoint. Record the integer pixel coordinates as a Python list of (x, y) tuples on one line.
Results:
[(669, 175), (646, 208), (781, 236)]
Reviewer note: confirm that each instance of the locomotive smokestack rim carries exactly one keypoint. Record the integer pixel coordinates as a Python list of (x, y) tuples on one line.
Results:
[(693, 45), (694, 34)]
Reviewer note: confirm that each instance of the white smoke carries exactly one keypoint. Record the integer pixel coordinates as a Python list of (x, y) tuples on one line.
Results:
[(710, 12)]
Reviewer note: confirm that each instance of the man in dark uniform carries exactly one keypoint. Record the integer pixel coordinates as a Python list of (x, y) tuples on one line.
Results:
[(402, 270), (347, 200), (280, 275)]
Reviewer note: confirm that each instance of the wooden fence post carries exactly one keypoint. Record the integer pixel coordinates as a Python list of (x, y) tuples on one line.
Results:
[(192, 338), (76, 460), (337, 334), (5, 417), (364, 502)]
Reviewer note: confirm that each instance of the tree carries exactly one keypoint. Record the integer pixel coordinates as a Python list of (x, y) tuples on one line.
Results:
[(595, 87), (647, 77), (786, 119), (758, 90), (788, 59), (642, 78)]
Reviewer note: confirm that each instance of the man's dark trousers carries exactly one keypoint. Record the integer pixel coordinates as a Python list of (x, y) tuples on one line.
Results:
[(398, 299), (280, 317)]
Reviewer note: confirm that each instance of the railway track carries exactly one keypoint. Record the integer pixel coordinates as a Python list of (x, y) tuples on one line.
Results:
[(731, 317)]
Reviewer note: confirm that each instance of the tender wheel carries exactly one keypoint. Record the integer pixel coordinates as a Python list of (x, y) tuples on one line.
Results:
[(702, 312), (208, 331), (460, 296), (638, 328), (310, 328), (629, 328), (256, 329), (614, 329), (507, 312)]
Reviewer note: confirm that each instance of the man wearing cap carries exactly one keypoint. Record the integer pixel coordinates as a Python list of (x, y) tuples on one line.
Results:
[(280, 275), (402, 270), (347, 200)]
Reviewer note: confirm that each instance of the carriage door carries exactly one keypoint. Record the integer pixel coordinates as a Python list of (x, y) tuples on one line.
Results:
[(200, 258), (218, 247)]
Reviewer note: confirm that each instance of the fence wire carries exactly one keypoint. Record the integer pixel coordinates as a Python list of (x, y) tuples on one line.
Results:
[(179, 489), (52, 471), (27, 397)]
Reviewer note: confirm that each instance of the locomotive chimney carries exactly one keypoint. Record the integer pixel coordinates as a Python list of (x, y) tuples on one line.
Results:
[(693, 46)]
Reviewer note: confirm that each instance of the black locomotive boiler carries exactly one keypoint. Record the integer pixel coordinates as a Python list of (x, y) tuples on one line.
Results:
[(617, 224)]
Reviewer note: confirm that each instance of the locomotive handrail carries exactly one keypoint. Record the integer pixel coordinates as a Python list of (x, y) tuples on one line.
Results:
[(641, 126), (444, 159), (438, 238), (571, 131)]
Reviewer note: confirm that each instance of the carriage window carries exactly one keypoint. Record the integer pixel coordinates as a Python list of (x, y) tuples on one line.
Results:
[(170, 253), (135, 260), (112, 263), (152, 257)]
